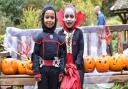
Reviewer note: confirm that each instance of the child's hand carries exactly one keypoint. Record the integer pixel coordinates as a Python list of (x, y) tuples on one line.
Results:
[(61, 77), (66, 72), (37, 77)]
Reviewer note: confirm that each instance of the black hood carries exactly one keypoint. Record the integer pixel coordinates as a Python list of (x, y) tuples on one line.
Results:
[(45, 29)]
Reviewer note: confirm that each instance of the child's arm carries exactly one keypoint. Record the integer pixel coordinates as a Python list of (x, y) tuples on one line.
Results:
[(35, 59), (79, 59)]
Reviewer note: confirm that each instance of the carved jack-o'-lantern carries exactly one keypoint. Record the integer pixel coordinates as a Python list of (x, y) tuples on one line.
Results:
[(0, 65), (116, 63), (29, 69), (21, 67), (102, 64), (89, 64), (9, 66), (126, 61)]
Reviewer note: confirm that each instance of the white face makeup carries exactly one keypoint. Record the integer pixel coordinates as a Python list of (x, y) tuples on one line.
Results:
[(69, 17)]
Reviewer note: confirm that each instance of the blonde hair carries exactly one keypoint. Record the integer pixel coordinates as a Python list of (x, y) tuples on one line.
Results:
[(97, 8)]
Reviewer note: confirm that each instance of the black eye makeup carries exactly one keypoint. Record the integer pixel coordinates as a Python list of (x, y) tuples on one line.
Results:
[(52, 17), (69, 16)]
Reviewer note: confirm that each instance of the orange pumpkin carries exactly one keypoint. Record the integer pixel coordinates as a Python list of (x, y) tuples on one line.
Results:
[(22, 67), (89, 64), (116, 63), (102, 64), (9, 66), (29, 69), (0, 66), (125, 58)]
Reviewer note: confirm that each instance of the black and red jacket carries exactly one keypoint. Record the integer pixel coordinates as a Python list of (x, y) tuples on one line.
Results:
[(47, 44), (77, 47)]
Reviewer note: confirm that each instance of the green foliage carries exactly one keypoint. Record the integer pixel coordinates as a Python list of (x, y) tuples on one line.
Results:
[(35, 3), (106, 5), (125, 86), (68, 1), (1, 42), (114, 44), (12, 9), (120, 86), (4, 22), (96, 2), (40, 3), (116, 86), (58, 4), (30, 18), (114, 21), (87, 6), (17, 87)]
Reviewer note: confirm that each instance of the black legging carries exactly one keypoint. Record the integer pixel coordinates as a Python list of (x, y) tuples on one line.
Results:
[(49, 78)]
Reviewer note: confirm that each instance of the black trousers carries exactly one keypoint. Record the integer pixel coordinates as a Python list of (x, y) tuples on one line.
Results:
[(50, 78), (81, 73)]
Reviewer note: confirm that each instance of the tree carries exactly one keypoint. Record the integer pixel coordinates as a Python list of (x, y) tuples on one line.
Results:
[(30, 18), (87, 6), (12, 9)]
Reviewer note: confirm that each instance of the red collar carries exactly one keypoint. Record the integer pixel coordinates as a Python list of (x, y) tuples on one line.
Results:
[(79, 19)]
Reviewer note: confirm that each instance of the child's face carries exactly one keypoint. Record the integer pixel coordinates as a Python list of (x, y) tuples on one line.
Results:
[(49, 18), (69, 17)]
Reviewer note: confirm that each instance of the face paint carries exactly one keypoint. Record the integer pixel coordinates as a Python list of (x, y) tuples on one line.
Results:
[(49, 18), (69, 17)]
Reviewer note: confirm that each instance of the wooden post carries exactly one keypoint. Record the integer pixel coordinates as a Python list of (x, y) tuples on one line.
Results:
[(88, 43), (120, 44)]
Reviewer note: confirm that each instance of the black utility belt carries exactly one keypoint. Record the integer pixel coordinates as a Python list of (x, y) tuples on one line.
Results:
[(48, 62)]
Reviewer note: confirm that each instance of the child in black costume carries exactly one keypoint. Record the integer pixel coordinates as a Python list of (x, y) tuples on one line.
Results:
[(47, 55), (69, 19)]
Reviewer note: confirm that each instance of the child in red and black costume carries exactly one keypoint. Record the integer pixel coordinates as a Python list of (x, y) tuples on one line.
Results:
[(47, 56), (69, 19)]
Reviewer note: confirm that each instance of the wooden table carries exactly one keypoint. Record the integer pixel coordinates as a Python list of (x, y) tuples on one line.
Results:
[(7, 80), (18, 81), (108, 77), (90, 78)]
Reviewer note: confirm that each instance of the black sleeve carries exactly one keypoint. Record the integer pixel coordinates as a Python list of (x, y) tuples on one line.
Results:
[(62, 61), (79, 59), (62, 53), (35, 59)]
